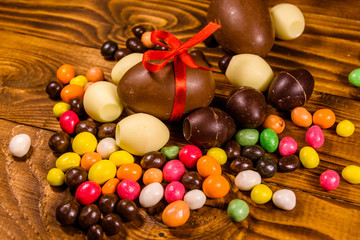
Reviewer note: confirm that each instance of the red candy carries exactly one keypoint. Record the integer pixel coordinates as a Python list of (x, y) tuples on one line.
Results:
[(189, 155), (128, 189), (315, 137), (287, 146), (329, 180), (68, 121), (88, 192), (173, 170), (174, 191)]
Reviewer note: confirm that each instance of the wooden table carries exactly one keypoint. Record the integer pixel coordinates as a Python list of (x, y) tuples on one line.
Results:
[(36, 37)]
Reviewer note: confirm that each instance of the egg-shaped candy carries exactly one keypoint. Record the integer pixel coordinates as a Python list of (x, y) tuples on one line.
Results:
[(195, 199), (315, 137), (20, 145), (151, 195), (176, 214)]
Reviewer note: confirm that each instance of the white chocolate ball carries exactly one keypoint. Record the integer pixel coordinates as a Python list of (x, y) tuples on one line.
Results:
[(249, 70), (151, 194), (284, 199), (106, 146), (247, 180), (20, 145), (124, 64), (288, 20), (195, 199)]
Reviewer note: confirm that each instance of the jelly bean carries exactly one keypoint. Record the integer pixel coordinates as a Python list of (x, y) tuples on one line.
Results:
[(102, 171), (269, 140), (75, 176), (329, 180), (68, 121), (247, 137), (192, 180), (354, 77), (284, 199), (53, 89), (59, 108), (315, 137), (71, 91), (208, 165), (131, 171), (189, 155), (288, 163), (232, 149), (152, 175), (287, 146), (345, 128), (88, 159), (95, 74), (65, 73), (20, 145), (351, 174), (153, 160), (301, 117), (110, 186), (80, 80), (55, 177), (275, 123), (128, 189), (151, 194), (218, 153), (309, 158), (176, 214), (170, 152), (173, 170), (88, 192), (253, 152), (84, 142), (67, 160), (174, 191), (261, 194), (238, 210), (266, 166), (241, 164), (111, 223), (108, 202), (106, 146), (325, 118), (89, 215), (60, 142), (216, 186), (127, 210), (195, 199), (121, 157), (67, 212), (247, 180)]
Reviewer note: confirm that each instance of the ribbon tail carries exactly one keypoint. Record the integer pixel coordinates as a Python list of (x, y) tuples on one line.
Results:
[(180, 90)]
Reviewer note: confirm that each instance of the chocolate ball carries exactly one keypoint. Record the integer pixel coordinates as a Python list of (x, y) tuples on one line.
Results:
[(95, 232), (138, 31), (107, 203), (106, 130), (289, 163), (247, 106), (60, 142), (240, 164), (86, 126), (89, 215), (232, 149), (266, 167), (120, 53), (53, 89), (77, 106), (111, 224), (211, 42), (253, 152), (224, 62), (159, 48), (127, 210), (67, 212), (208, 127), (135, 45), (290, 89), (108, 49), (75, 176), (192, 180), (153, 160)]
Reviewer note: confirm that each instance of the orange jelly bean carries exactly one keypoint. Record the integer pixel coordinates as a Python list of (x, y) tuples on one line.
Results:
[(176, 214), (88, 159), (110, 186), (325, 118), (216, 186), (208, 165), (65, 73), (95, 74), (131, 171), (274, 122), (71, 91), (301, 117), (152, 175)]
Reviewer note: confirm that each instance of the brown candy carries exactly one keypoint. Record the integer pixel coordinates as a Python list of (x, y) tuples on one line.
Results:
[(60, 142), (232, 149), (266, 167), (240, 164), (75, 176), (107, 130), (67, 212), (153, 160), (127, 210), (107, 203), (111, 224), (95, 232), (192, 180), (89, 215), (86, 126), (289, 163)]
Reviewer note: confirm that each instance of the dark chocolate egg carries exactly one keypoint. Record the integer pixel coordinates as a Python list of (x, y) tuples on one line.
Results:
[(247, 106), (291, 89), (153, 93), (208, 127), (246, 25)]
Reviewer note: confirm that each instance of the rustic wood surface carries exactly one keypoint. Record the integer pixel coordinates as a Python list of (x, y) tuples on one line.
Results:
[(36, 37)]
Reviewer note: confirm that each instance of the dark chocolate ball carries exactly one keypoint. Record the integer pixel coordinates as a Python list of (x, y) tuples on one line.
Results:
[(86, 126), (253, 152), (60, 142), (247, 106), (224, 62), (159, 48), (89, 215), (106, 130), (111, 224), (192, 180), (211, 42), (266, 167), (95, 232), (153, 160), (120, 53), (127, 210), (240, 164), (291, 89), (232, 149), (67, 212), (138, 31), (53, 89), (76, 105), (108, 49), (75, 176), (288, 163), (135, 45), (107, 203)]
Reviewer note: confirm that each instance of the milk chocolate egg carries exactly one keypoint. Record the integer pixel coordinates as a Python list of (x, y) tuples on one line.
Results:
[(247, 106), (246, 25), (290, 89), (153, 93)]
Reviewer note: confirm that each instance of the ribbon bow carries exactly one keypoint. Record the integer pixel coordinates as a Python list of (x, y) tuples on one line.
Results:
[(179, 52)]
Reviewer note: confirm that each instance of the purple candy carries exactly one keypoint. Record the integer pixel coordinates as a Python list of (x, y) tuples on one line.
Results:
[(315, 137), (287, 146)]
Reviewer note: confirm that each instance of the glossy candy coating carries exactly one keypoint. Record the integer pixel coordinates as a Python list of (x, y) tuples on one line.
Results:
[(261, 194), (232, 149), (354, 77), (75, 176), (315, 137), (266, 166), (240, 164), (95, 74), (80, 80), (345, 128), (173, 170), (329, 180), (121, 52), (195, 199), (67, 212), (309, 157), (151, 194), (247, 137), (131, 171), (20, 145), (127, 210), (174, 191), (89, 215), (218, 153), (208, 165), (224, 62), (107, 203), (108, 49), (135, 45), (68, 121), (102, 171), (138, 31), (351, 173), (269, 140), (216, 186), (95, 232), (284, 199), (238, 210), (128, 189), (171, 152), (111, 224), (253, 152), (59, 108), (110, 186), (176, 214), (301, 117), (77, 106), (88, 159), (68, 160), (153, 160), (53, 89), (106, 146), (152, 175), (288, 163), (325, 118), (106, 130), (146, 39), (121, 157), (275, 123), (88, 192), (247, 180), (65, 73), (287, 146), (55, 177), (86, 126), (189, 155), (71, 91), (84, 142), (192, 180)]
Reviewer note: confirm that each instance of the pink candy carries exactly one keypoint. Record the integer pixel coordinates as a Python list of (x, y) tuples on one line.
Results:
[(174, 191), (88, 192), (315, 137), (329, 180), (68, 121), (128, 189), (173, 170), (189, 155), (287, 146)]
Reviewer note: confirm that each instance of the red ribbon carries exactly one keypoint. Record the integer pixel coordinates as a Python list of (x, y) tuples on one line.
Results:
[(178, 52)]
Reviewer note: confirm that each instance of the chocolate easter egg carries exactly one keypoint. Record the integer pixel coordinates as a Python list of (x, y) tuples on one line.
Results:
[(290, 89), (153, 93), (245, 25)]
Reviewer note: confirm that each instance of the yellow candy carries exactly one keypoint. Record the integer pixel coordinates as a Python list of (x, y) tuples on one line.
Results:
[(55, 177), (67, 161), (351, 174), (261, 194), (345, 128), (121, 157), (102, 171), (84, 142), (219, 154), (60, 108), (309, 157), (80, 80)]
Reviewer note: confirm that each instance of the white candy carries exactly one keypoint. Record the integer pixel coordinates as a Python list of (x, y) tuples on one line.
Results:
[(124, 64), (106, 147), (246, 180), (195, 199), (20, 145), (284, 199), (151, 195)]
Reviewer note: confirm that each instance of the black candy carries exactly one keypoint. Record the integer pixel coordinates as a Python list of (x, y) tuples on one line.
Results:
[(120, 53), (95, 232), (240, 164), (192, 180), (106, 130), (75, 176), (289, 163), (138, 31), (224, 62), (76, 105), (135, 45), (53, 89), (153, 160), (253, 152), (232, 149), (86, 126)]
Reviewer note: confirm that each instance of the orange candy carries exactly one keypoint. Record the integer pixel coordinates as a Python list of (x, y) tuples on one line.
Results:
[(301, 117), (325, 118), (176, 214), (275, 123), (95, 74), (152, 175), (110, 186), (88, 159), (208, 165), (131, 171), (71, 91), (65, 73), (216, 186)]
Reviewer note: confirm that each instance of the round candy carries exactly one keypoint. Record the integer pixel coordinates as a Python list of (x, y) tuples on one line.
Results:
[(171, 152), (60, 142), (195, 199), (189, 155), (219, 154), (108, 49), (354, 77), (287, 146), (174, 191), (151, 194), (325, 118), (223, 63), (241, 164), (102, 171), (71, 91), (86, 126), (95, 74), (269, 140), (288, 163), (261, 194), (284, 199), (107, 130), (138, 31), (266, 166), (345, 128), (67, 212), (75, 176), (121, 157), (173, 170), (208, 165), (131, 171), (146, 39), (127, 210), (84, 142), (301, 117), (68, 160), (59, 108), (247, 137), (238, 210), (106, 146), (111, 224), (247, 180), (153, 160), (68, 121), (135, 45), (95, 232), (152, 175), (110, 186), (309, 157), (315, 137), (128, 189), (65, 73), (55, 177), (329, 180), (88, 159), (176, 214), (80, 80), (351, 174), (88, 192), (53, 89), (77, 106), (275, 123), (192, 180), (216, 186), (89, 215), (232, 149), (253, 152), (108, 202), (121, 53), (20, 145)]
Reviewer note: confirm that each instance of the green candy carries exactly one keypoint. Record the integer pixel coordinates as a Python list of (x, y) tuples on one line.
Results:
[(269, 140), (170, 152), (238, 210), (247, 137), (354, 77)]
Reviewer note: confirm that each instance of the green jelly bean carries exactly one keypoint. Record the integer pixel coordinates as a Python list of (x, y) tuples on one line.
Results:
[(170, 152), (238, 210), (269, 140), (354, 77), (247, 137)]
